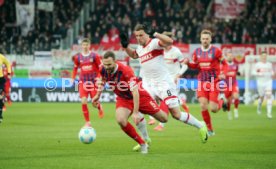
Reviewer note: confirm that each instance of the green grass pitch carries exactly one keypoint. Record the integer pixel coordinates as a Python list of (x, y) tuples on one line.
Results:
[(40, 136)]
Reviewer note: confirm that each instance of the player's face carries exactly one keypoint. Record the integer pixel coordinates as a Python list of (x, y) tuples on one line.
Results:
[(109, 64), (229, 57), (85, 46), (205, 40), (263, 57), (141, 37)]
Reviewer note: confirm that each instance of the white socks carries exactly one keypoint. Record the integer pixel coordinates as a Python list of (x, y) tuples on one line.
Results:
[(269, 106), (142, 127), (190, 119)]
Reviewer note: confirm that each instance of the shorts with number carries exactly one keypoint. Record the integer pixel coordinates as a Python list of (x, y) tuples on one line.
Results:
[(230, 90), (147, 105), (264, 88), (163, 90), (87, 89), (208, 90)]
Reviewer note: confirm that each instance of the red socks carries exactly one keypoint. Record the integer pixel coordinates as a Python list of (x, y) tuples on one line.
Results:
[(131, 132), (207, 118), (236, 103), (85, 112)]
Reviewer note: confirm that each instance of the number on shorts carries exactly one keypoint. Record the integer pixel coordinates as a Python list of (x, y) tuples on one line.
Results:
[(169, 93)]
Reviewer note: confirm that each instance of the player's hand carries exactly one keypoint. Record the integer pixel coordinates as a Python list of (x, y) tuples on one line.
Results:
[(135, 116), (124, 40)]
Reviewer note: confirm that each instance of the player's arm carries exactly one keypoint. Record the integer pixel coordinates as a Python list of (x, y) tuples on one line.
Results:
[(136, 96), (164, 40), (7, 64), (100, 87), (75, 69), (125, 44), (193, 63)]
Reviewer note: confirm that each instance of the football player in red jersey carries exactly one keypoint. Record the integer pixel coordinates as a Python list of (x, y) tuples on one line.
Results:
[(232, 90), (7, 87), (131, 98), (89, 64), (207, 59)]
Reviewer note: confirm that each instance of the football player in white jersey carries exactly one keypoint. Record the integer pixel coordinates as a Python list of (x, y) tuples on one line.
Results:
[(174, 62), (156, 77), (263, 71)]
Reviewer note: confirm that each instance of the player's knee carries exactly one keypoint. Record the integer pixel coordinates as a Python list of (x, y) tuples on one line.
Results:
[(214, 109), (122, 122)]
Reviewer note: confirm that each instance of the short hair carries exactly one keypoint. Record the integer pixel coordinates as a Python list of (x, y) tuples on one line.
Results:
[(109, 54), (139, 27), (86, 40), (169, 34), (206, 31)]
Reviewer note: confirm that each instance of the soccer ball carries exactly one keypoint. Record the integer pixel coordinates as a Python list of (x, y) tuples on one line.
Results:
[(87, 135)]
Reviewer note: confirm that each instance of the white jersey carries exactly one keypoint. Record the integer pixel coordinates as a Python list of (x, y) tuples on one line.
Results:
[(152, 62), (263, 72), (156, 77), (173, 58)]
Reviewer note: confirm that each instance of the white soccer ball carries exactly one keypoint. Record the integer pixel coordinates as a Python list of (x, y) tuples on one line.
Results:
[(87, 135)]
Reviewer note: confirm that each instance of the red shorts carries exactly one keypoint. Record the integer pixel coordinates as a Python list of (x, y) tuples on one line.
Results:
[(7, 87), (146, 104), (231, 90), (208, 91), (86, 89)]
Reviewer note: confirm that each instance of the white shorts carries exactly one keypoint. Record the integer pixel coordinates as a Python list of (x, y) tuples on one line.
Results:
[(264, 88), (164, 90)]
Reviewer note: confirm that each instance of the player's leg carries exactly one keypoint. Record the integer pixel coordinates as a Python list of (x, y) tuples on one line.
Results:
[(7, 90), (261, 93), (164, 108), (236, 104), (2, 96), (228, 95), (122, 115), (269, 100), (83, 95), (142, 127), (93, 92)]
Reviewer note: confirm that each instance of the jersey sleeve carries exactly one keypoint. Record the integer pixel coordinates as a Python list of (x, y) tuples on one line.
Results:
[(193, 62), (98, 61), (156, 44), (179, 55), (218, 54), (131, 79), (76, 65)]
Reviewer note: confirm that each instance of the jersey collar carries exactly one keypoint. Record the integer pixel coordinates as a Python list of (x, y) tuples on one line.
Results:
[(205, 50)]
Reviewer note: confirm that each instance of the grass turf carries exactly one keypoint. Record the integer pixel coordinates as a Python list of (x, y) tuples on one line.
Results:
[(44, 135)]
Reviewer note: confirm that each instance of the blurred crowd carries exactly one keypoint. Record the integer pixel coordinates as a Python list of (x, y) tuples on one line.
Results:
[(47, 30), (185, 18)]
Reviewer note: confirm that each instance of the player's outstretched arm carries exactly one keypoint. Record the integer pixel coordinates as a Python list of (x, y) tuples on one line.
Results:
[(125, 45), (164, 39), (136, 96)]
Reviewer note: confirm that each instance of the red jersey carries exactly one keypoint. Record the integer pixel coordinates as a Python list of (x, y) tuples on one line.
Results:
[(89, 66), (207, 62), (121, 81), (230, 70), (5, 71)]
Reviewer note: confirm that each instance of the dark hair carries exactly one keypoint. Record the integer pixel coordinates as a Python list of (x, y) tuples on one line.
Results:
[(86, 40), (109, 54), (139, 27)]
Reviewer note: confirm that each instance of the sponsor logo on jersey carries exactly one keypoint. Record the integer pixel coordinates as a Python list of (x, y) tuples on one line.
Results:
[(86, 67)]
